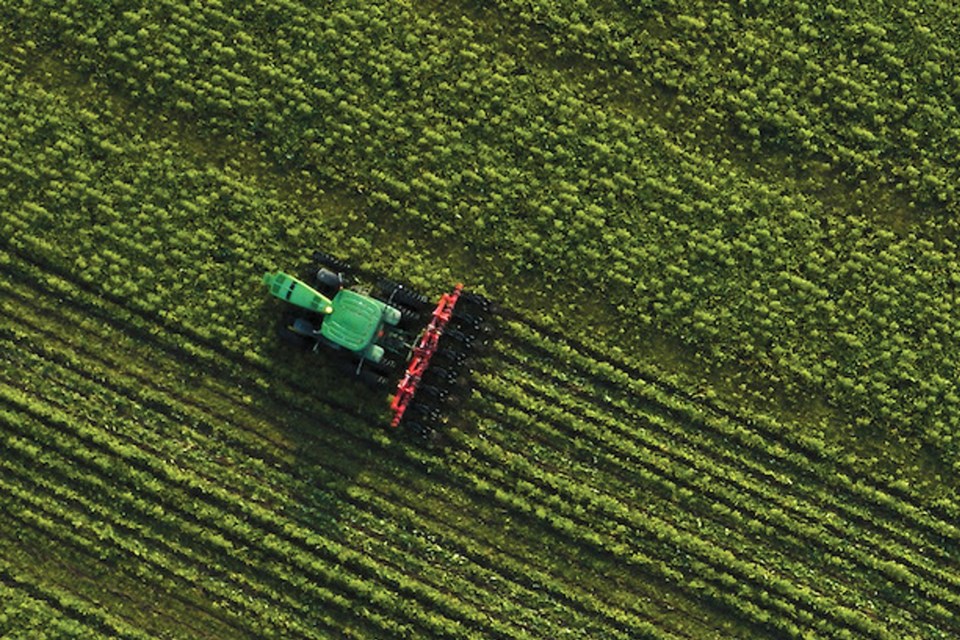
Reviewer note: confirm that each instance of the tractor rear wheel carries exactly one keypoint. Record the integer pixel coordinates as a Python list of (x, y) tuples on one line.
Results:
[(331, 262), (402, 295), (330, 282), (372, 379), (408, 318), (394, 344)]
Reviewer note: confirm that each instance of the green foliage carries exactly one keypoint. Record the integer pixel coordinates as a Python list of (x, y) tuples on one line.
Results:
[(770, 190)]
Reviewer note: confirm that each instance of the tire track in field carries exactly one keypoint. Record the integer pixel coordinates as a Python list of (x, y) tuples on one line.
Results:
[(298, 548), (445, 588), (639, 406), (574, 513), (553, 496), (43, 512), (524, 428), (19, 449), (752, 470), (79, 457)]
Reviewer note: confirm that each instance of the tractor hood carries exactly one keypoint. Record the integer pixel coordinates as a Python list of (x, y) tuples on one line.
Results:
[(288, 288)]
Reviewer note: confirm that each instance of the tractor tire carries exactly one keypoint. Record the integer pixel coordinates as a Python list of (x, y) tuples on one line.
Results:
[(414, 300), (394, 344), (372, 379), (335, 264), (294, 339), (403, 295), (329, 282), (409, 319)]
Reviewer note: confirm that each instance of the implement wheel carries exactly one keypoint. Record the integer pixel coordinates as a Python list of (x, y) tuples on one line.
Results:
[(420, 430), (478, 301)]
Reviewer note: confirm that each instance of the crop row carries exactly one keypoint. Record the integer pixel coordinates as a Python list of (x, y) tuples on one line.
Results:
[(776, 445), (886, 555), (117, 535), (797, 496), (638, 400), (712, 573), (262, 493), (367, 444), (714, 500), (686, 487), (235, 510), (45, 611)]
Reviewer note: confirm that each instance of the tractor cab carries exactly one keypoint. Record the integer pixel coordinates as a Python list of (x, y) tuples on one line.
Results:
[(350, 321), (356, 323)]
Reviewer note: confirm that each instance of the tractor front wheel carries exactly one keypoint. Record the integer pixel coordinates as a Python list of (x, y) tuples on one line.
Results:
[(294, 339)]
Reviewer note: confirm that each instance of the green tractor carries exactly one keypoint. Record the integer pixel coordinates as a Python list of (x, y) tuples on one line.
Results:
[(382, 331)]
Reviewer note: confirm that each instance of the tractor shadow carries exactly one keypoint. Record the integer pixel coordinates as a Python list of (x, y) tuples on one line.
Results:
[(327, 423)]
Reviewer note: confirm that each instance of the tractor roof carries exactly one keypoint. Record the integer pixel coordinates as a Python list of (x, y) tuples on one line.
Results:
[(355, 320)]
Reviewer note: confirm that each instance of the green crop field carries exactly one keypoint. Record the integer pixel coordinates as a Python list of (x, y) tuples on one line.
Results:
[(720, 399)]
